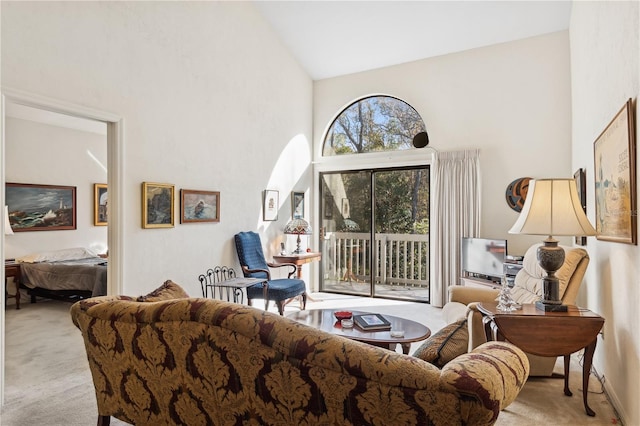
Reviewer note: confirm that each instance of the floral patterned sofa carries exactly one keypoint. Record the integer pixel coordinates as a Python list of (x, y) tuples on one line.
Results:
[(206, 362)]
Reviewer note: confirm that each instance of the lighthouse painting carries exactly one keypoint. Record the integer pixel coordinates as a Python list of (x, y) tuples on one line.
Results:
[(41, 207)]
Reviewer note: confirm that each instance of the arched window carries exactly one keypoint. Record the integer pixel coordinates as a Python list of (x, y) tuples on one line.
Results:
[(373, 124)]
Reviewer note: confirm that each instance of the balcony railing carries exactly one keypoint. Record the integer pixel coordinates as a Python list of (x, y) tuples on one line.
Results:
[(400, 259)]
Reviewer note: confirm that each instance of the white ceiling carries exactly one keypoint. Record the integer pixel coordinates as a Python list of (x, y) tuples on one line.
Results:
[(332, 38)]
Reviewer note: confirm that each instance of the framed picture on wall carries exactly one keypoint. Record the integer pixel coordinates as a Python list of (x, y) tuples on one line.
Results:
[(270, 205), (35, 207), (615, 179), (199, 206), (157, 205), (297, 205), (100, 202), (580, 177)]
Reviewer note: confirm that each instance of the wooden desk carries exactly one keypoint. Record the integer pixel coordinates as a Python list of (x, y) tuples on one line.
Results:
[(548, 334), (298, 260), (12, 269)]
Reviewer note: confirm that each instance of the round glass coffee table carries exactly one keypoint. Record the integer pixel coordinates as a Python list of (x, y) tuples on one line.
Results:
[(325, 320)]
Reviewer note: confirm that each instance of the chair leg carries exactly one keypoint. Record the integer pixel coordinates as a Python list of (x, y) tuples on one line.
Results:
[(280, 304), (104, 420), (303, 301)]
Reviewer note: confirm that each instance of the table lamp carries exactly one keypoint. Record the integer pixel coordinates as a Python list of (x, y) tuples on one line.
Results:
[(298, 227), (552, 207), (7, 224)]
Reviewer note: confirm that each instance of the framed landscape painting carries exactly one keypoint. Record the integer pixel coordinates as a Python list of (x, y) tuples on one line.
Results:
[(41, 207), (100, 204), (615, 179), (199, 206), (157, 205)]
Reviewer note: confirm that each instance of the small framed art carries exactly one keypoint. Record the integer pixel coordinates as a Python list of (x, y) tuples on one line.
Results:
[(100, 202), (157, 205), (580, 177), (270, 205), (41, 207), (297, 205), (199, 206)]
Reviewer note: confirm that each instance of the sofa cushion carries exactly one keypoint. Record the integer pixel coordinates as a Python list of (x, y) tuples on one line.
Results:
[(448, 343), (168, 290)]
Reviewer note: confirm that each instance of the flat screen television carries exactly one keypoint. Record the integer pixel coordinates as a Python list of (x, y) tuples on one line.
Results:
[(483, 258)]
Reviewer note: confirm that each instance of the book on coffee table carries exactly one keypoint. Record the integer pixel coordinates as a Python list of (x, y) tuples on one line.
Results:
[(371, 322)]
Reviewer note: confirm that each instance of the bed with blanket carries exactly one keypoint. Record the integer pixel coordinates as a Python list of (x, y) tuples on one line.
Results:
[(68, 274)]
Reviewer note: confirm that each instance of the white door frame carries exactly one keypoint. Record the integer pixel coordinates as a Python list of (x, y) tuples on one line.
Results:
[(115, 167)]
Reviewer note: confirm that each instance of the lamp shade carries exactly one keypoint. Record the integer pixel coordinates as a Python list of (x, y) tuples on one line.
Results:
[(553, 207), (298, 226), (350, 226), (7, 223)]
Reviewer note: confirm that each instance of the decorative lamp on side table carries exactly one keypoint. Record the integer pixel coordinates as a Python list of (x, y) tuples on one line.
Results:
[(298, 226), (552, 207)]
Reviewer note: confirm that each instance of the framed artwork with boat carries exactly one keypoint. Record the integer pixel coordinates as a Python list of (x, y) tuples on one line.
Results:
[(34, 207), (199, 206)]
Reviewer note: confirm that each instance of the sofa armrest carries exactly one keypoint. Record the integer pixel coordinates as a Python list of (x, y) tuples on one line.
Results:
[(492, 375), (466, 295)]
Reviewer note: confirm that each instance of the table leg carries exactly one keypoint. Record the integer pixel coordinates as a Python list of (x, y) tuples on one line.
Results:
[(567, 361), (586, 372), (486, 321), (406, 347)]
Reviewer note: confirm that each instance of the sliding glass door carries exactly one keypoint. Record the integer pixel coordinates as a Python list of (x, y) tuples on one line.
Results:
[(375, 233)]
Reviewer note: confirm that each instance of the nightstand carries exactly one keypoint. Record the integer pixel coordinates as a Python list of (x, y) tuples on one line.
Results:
[(12, 269)]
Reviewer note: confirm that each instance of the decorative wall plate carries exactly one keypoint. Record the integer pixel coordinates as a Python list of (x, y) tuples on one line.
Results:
[(516, 193)]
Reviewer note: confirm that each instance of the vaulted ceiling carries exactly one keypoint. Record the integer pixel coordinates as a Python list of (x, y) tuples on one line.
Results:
[(332, 38)]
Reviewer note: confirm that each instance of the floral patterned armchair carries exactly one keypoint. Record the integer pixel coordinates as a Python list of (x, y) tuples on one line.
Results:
[(208, 362)]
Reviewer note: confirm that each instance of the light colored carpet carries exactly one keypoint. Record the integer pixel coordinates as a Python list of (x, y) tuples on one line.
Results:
[(48, 380)]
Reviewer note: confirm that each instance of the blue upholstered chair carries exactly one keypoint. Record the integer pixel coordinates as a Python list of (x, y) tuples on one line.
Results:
[(254, 265)]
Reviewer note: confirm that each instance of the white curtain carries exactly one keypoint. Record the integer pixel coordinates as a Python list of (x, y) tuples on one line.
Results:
[(455, 213)]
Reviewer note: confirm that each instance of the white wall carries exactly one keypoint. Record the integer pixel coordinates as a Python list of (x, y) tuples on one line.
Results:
[(210, 98), (605, 55), (38, 153), (512, 101)]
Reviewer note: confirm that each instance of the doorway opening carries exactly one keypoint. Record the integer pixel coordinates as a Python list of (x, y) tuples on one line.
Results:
[(115, 149)]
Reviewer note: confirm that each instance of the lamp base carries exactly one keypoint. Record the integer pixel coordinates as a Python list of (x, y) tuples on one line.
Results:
[(550, 307)]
